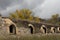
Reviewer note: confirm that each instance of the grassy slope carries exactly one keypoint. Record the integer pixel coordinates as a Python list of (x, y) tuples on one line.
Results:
[(46, 37)]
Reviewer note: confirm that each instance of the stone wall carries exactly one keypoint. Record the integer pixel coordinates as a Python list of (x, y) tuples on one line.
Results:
[(27, 27), (50, 28), (23, 31), (5, 24)]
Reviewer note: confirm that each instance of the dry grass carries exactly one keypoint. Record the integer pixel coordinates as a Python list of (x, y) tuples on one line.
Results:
[(31, 37)]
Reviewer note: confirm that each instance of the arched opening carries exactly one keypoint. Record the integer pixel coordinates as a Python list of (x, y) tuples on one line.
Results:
[(12, 29), (44, 29), (31, 29), (52, 29), (58, 29)]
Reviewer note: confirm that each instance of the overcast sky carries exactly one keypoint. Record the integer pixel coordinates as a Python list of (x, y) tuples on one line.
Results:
[(41, 8)]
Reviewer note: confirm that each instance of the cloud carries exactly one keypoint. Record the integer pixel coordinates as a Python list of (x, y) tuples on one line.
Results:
[(11, 5), (5, 3), (41, 8), (10, 9), (32, 3), (48, 8)]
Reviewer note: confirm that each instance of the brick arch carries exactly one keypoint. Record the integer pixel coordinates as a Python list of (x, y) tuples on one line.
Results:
[(52, 30), (58, 29), (32, 29), (43, 29)]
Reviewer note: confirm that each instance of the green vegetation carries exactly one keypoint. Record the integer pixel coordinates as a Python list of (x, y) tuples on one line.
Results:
[(29, 15), (54, 19), (24, 14)]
